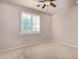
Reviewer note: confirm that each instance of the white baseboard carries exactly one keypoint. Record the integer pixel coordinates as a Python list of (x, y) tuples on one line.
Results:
[(22, 46), (37, 43), (66, 44)]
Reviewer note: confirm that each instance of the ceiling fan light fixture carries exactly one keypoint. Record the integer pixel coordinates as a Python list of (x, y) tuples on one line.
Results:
[(47, 2)]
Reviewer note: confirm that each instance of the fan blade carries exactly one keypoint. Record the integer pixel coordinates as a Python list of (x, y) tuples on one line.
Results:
[(52, 4), (41, 1), (53, 0), (44, 6), (38, 5)]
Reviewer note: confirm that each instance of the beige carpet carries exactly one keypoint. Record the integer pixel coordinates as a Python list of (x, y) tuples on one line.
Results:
[(43, 51)]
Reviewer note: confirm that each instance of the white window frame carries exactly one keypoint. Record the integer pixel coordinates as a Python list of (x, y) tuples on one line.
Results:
[(31, 19)]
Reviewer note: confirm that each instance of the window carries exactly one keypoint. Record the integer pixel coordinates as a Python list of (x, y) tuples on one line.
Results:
[(30, 23)]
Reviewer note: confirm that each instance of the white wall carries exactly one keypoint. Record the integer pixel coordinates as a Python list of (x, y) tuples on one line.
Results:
[(64, 26), (10, 25)]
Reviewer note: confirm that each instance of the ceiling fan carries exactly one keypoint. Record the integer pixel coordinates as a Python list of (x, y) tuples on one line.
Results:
[(47, 3)]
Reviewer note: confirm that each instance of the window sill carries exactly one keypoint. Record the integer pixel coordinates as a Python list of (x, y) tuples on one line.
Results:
[(30, 33)]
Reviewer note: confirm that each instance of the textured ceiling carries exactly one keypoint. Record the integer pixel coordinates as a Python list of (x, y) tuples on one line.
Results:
[(61, 4)]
